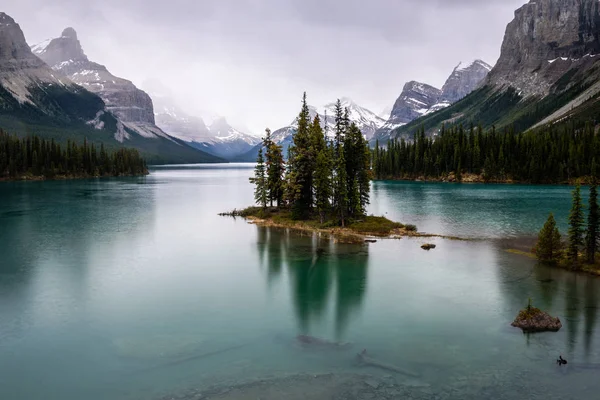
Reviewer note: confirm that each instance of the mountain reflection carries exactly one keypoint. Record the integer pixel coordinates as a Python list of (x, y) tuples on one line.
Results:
[(324, 276)]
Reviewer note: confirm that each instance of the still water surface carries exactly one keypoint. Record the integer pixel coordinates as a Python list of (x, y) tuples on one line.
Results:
[(134, 288)]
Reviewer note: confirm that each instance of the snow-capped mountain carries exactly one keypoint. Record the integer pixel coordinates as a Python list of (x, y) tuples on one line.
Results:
[(132, 107), (219, 138), (367, 121), (419, 99)]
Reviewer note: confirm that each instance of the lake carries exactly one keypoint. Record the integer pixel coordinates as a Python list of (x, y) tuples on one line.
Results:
[(135, 288)]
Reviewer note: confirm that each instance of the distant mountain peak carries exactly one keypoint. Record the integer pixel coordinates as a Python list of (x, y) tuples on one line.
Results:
[(463, 66), (69, 33)]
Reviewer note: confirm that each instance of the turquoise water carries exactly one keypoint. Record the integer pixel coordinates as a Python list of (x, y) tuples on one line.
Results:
[(135, 289)]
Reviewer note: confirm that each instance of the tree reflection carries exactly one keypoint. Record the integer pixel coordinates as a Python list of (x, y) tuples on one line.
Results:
[(323, 275)]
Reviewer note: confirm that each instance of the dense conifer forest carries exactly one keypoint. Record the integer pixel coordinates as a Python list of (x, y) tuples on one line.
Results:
[(40, 158), (557, 154), (325, 179)]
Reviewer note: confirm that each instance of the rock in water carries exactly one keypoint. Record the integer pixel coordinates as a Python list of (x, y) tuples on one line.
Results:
[(532, 319), (428, 246)]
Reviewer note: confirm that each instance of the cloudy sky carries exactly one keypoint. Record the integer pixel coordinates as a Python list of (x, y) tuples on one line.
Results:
[(250, 60)]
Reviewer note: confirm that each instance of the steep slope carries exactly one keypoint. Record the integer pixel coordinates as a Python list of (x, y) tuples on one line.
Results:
[(31, 92), (463, 80), (219, 139), (415, 101), (367, 121), (419, 99), (134, 124), (548, 71)]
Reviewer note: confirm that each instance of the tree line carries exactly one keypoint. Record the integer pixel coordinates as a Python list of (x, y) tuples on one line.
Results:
[(39, 157), (553, 154), (583, 238), (324, 179)]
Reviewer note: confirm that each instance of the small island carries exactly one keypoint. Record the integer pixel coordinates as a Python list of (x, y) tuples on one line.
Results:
[(532, 319), (358, 230)]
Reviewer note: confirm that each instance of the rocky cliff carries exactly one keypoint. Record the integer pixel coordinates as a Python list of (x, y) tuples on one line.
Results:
[(26, 81), (419, 99), (463, 80), (548, 72), (545, 40), (65, 55)]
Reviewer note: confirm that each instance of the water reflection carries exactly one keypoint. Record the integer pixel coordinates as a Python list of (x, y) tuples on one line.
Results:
[(324, 276)]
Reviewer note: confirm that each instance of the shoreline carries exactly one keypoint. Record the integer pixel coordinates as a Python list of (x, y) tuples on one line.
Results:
[(41, 178), (478, 179), (392, 230)]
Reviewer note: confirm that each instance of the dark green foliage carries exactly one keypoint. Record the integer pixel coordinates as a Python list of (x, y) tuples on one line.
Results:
[(555, 154), (331, 180), (275, 170), (260, 181), (576, 231), (301, 162), (593, 226), (548, 246), (45, 158)]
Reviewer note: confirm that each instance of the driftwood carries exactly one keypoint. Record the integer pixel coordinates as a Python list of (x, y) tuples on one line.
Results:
[(364, 359)]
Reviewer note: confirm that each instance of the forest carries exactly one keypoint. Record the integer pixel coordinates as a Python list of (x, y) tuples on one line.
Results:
[(35, 157), (554, 154), (325, 178)]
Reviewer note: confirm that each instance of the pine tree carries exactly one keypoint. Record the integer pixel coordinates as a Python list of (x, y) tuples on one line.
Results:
[(260, 181), (364, 175), (593, 227), (275, 170), (576, 221), (301, 163), (341, 188), (548, 245), (323, 182)]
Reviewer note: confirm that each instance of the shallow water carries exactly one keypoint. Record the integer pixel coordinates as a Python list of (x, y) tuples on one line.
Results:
[(135, 288)]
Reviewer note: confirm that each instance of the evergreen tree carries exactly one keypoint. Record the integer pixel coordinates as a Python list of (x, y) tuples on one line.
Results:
[(275, 170), (323, 172), (593, 229), (260, 181), (576, 221), (548, 245), (341, 188), (301, 165)]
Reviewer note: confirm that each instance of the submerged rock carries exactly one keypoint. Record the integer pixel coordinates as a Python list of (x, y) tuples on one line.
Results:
[(428, 246), (533, 319)]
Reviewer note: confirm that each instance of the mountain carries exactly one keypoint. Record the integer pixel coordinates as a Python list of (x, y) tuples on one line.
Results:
[(131, 108), (418, 99), (547, 72), (464, 79), (32, 94), (415, 101), (219, 139), (367, 121)]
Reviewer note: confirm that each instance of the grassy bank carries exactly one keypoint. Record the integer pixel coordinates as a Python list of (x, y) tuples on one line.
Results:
[(354, 231)]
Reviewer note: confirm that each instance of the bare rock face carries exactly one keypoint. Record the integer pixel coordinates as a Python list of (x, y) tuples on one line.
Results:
[(464, 79), (415, 101), (122, 98), (545, 40), (21, 71)]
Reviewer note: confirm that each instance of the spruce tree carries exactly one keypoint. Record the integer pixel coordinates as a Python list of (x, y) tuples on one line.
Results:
[(576, 221), (364, 175), (260, 181), (322, 181), (275, 170), (301, 166), (548, 246), (341, 188), (593, 228)]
